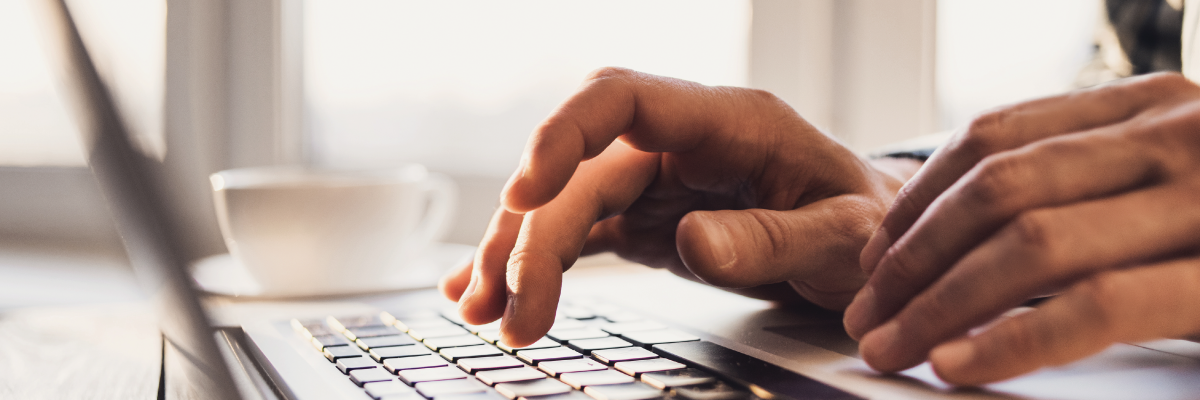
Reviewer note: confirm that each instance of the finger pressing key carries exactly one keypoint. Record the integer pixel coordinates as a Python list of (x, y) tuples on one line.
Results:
[(552, 237), (483, 299)]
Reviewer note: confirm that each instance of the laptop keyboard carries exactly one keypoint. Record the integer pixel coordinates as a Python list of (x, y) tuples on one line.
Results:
[(591, 353)]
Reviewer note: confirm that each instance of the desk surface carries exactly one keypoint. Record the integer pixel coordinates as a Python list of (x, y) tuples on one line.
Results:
[(113, 349)]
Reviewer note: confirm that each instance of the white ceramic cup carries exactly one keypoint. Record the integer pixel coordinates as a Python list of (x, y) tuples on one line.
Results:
[(311, 232)]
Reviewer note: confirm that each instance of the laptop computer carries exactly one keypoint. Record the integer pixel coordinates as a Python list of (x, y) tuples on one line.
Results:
[(620, 336)]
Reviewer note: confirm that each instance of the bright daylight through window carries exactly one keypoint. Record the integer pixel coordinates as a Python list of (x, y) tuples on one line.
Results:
[(126, 40), (459, 85)]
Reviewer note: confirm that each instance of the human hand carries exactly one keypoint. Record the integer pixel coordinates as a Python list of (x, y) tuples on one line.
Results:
[(1092, 194), (725, 185)]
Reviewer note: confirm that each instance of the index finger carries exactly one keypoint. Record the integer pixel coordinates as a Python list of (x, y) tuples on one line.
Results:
[(658, 114), (552, 237)]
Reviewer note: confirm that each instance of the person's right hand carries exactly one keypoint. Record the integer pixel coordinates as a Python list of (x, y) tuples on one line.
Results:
[(1090, 194), (726, 185)]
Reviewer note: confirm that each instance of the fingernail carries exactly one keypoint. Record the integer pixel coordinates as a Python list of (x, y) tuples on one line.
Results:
[(877, 347), (874, 250), (509, 311), (506, 194), (720, 242), (954, 356), (861, 313), (462, 301)]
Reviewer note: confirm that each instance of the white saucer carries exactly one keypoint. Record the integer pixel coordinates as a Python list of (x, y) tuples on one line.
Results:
[(222, 274)]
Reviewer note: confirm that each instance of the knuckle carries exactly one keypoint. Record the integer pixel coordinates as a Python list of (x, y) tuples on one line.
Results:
[(1102, 301), (901, 264), (1165, 80), (1038, 244), (774, 229), (985, 133), (859, 221), (995, 181), (607, 73), (1033, 232), (1022, 335), (763, 96), (935, 308)]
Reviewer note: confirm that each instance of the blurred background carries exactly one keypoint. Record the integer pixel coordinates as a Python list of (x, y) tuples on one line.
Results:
[(459, 85)]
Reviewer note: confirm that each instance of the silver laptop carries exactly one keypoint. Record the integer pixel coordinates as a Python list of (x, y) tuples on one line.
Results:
[(620, 336)]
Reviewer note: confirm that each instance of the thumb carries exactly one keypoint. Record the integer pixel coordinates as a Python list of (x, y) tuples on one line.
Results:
[(816, 248)]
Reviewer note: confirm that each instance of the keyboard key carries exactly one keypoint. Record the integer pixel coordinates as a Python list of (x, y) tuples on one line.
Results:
[(408, 325), (540, 387), (677, 378), (454, 354), (746, 370), (554, 368), (611, 356), (711, 391), (627, 391), (453, 316), (390, 388), (586, 346), (371, 331), (364, 376), (602, 310), (406, 396), (310, 328), (349, 364), (572, 395), (414, 376), (552, 354), (491, 336), (491, 326), (564, 335), (397, 364), (579, 380), (623, 317), (509, 375), (436, 389), (384, 341), (652, 365), (336, 353), (622, 328), (564, 324), (473, 365), (646, 338), (340, 324), (543, 343), (576, 312), (390, 317), (423, 334), (382, 353), (439, 343), (473, 396), (323, 341)]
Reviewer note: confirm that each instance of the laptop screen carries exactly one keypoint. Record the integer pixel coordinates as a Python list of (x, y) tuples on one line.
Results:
[(132, 186)]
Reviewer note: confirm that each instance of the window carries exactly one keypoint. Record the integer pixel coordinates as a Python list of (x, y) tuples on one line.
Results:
[(34, 126), (458, 86), (997, 52)]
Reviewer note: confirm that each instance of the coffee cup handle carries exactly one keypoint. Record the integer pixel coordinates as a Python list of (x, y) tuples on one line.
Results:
[(442, 195)]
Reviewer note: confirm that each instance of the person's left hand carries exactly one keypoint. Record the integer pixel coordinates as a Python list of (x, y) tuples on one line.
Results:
[(1095, 193)]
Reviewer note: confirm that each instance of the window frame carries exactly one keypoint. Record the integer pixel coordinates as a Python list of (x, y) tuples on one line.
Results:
[(228, 103)]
